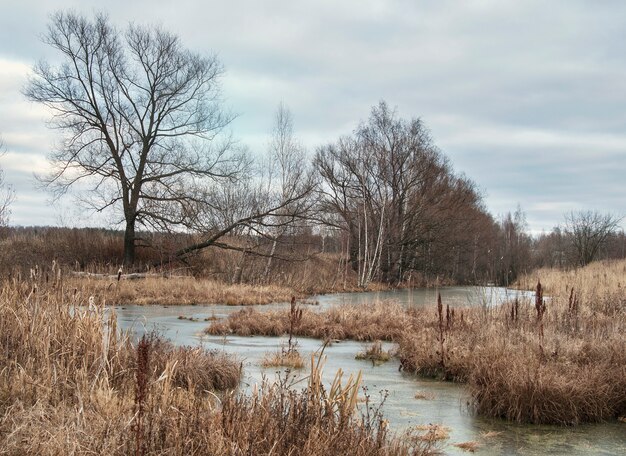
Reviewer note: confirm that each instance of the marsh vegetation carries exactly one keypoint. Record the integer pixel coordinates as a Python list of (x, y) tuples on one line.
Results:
[(557, 359), (71, 383)]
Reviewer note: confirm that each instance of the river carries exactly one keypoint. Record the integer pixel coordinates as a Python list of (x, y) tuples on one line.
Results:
[(446, 403)]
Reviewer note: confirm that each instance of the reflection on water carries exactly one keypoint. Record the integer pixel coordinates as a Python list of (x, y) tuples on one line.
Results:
[(446, 403)]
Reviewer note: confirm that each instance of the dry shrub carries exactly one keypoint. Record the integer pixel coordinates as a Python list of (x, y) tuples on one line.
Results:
[(102, 251)]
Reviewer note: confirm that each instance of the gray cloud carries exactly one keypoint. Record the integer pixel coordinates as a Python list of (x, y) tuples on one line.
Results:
[(527, 98)]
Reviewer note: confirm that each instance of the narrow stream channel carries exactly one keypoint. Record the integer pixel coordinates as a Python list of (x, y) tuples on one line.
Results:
[(446, 403)]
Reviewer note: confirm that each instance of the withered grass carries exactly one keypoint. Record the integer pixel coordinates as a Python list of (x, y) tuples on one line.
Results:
[(180, 291)]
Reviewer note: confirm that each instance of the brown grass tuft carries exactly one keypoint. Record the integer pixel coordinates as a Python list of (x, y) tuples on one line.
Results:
[(284, 358), (424, 396), (432, 433)]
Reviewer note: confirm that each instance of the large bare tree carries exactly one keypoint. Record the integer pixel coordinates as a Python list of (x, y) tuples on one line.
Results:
[(141, 118), (588, 230)]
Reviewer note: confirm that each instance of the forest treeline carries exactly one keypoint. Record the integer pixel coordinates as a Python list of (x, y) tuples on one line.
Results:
[(144, 129), (315, 259), (381, 205)]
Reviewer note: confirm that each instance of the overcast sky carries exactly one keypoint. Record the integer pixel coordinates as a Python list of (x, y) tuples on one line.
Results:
[(527, 98)]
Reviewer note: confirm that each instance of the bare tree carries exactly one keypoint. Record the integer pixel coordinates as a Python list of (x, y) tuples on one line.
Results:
[(249, 208), (7, 195), (271, 200), (588, 231), (287, 169), (141, 118), (394, 193), (513, 247)]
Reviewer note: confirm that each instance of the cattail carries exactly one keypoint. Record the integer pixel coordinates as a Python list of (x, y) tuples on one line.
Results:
[(540, 305), (440, 310), (541, 308), (141, 390), (295, 317), (442, 360)]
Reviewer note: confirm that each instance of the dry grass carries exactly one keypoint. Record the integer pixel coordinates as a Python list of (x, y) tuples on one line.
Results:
[(380, 321), (597, 278), (424, 396), (180, 291), (284, 358), (432, 433), (565, 366), (71, 384)]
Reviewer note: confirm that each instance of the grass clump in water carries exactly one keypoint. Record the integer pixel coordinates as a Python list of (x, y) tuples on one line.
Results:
[(284, 358), (375, 353)]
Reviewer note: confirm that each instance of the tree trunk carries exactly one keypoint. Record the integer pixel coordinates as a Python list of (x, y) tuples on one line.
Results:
[(129, 243), (266, 274)]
